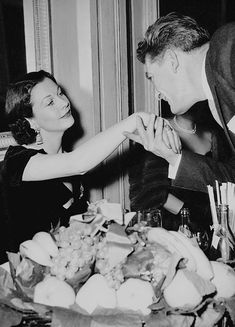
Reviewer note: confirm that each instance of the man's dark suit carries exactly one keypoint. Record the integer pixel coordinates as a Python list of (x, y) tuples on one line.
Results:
[(195, 172)]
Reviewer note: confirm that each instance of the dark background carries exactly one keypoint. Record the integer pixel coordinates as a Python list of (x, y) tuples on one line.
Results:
[(210, 13), (12, 48)]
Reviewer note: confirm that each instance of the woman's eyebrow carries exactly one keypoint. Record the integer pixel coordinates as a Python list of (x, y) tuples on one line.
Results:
[(46, 97), (50, 95)]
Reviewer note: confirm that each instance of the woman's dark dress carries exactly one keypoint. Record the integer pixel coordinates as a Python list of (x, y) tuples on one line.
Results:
[(37, 205)]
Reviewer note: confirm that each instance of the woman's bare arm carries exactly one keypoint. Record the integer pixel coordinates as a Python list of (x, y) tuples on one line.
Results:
[(84, 157)]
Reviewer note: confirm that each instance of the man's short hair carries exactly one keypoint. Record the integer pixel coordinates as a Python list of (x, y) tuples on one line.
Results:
[(171, 31)]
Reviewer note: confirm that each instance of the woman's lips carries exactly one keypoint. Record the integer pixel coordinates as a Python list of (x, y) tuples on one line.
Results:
[(68, 113)]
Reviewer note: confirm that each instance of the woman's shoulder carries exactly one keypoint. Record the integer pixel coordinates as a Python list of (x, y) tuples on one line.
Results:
[(19, 153), (14, 150), (15, 160)]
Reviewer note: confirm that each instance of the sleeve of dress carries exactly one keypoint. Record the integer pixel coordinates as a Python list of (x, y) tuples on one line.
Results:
[(14, 163)]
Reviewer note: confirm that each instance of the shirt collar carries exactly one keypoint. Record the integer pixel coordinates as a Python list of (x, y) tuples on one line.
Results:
[(208, 93), (205, 84)]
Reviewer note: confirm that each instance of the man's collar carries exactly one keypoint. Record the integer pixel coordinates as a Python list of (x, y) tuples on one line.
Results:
[(208, 93), (205, 84)]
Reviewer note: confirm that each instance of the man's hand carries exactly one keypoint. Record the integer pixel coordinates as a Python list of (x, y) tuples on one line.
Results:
[(158, 137)]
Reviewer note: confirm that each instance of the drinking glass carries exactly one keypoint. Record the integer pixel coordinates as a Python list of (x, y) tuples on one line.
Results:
[(203, 240)]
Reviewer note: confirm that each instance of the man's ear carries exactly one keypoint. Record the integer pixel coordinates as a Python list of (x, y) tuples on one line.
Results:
[(173, 60)]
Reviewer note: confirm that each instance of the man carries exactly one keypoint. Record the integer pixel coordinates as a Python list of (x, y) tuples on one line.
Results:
[(186, 68)]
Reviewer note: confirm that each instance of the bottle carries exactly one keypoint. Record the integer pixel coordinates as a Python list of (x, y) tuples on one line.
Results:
[(226, 239), (202, 240), (156, 218), (153, 217), (185, 222)]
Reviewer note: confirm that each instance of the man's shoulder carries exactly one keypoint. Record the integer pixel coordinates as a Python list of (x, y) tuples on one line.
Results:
[(225, 31), (222, 45)]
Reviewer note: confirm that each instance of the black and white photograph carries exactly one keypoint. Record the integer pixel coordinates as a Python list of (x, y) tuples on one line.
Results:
[(117, 163)]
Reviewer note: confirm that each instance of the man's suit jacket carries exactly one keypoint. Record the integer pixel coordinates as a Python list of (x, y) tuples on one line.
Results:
[(195, 171)]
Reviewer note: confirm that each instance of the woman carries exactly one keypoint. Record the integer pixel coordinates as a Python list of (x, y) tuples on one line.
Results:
[(42, 183), (150, 186)]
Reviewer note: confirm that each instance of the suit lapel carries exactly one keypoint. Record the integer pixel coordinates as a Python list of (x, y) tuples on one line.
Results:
[(229, 135)]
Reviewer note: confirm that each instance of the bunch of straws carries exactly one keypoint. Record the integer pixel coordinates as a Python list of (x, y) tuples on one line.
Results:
[(225, 194)]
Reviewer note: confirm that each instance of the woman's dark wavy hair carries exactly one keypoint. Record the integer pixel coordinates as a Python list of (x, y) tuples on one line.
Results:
[(171, 31), (18, 105)]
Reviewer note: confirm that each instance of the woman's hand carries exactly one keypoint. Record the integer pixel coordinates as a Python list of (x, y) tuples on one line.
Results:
[(144, 117), (170, 137), (158, 138)]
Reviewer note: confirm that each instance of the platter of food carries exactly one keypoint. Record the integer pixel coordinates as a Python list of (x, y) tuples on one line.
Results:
[(99, 272)]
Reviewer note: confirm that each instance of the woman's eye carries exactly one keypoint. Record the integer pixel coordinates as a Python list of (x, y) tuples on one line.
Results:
[(50, 103)]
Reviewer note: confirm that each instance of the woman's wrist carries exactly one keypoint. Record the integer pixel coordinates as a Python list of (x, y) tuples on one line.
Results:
[(144, 116)]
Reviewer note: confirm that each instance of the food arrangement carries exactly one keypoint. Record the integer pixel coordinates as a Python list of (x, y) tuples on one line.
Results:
[(97, 267)]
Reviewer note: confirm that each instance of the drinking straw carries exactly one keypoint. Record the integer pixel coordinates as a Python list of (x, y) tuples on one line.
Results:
[(233, 208), (212, 205), (231, 204), (223, 193), (217, 192)]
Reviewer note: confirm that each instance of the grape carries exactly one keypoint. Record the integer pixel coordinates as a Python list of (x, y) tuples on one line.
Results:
[(60, 276), (63, 244), (114, 275), (76, 244), (100, 265), (76, 250), (70, 272), (88, 240)]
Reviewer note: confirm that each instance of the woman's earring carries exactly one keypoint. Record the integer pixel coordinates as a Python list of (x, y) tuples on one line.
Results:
[(39, 139)]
